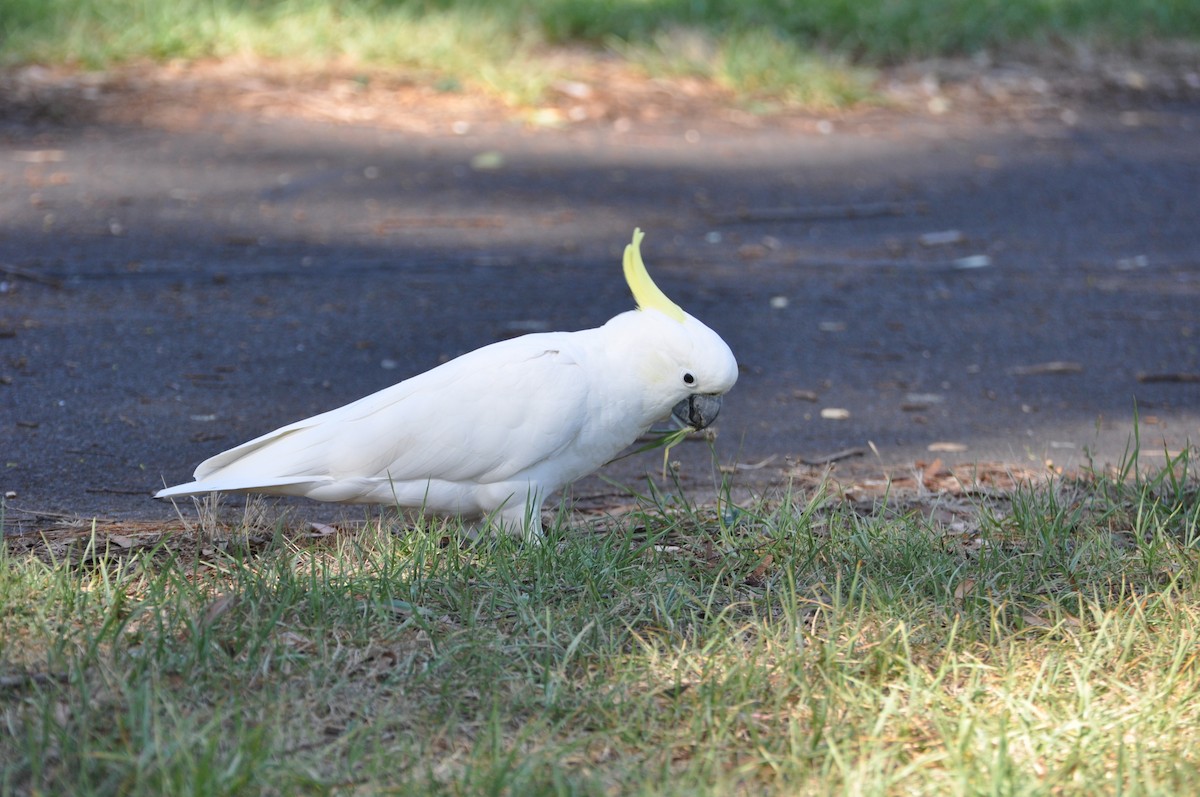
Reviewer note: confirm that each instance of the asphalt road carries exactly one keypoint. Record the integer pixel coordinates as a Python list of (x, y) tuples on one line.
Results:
[(1016, 288)]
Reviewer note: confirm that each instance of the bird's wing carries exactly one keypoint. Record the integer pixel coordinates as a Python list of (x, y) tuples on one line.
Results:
[(483, 417)]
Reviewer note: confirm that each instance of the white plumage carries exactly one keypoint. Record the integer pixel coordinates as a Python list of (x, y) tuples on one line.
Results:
[(493, 432)]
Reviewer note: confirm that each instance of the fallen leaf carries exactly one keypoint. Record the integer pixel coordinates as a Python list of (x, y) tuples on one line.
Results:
[(755, 579), (946, 447), (217, 608), (930, 473), (835, 414), (40, 156), (296, 641)]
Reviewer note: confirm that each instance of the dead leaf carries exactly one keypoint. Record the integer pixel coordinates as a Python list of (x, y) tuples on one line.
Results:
[(40, 156), (296, 641), (964, 588), (930, 473), (755, 579), (217, 608)]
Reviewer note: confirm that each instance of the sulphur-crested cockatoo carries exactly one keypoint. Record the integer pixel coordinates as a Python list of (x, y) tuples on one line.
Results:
[(493, 432)]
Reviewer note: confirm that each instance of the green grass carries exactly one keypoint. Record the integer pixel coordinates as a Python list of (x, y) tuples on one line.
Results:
[(778, 49), (1044, 642)]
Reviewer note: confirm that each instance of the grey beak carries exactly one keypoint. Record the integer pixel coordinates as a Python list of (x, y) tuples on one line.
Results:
[(697, 411)]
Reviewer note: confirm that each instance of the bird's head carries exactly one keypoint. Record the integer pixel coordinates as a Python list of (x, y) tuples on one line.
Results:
[(686, 362)]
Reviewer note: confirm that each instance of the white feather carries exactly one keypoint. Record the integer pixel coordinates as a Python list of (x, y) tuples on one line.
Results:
[(492, 432)]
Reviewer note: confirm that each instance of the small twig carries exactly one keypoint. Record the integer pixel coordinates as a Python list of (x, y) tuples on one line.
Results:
[(836, 456), (1173, 377), (862, 210), (116, 491), (755, 465), (44, 514), (426, 222), (25, 678), (1044, 369), (738, 466), (32, 276)]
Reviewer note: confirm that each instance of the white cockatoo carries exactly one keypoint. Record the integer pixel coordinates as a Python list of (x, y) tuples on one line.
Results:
[(493, 432)]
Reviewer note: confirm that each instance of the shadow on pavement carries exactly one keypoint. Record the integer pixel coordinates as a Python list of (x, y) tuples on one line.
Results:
[(1000, 289)]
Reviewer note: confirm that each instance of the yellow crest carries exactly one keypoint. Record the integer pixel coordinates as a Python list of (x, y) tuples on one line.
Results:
[(645, 292)]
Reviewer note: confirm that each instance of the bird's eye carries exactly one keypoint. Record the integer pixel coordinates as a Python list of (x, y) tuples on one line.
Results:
[(688, 379)]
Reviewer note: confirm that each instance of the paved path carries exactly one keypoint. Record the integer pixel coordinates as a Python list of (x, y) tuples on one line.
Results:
[(1016, 288)]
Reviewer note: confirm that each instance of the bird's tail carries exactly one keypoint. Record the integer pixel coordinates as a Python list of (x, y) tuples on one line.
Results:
[(279, 486)]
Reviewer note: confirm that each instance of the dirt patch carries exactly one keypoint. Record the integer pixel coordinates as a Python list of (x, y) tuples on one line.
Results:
[(604, 91)]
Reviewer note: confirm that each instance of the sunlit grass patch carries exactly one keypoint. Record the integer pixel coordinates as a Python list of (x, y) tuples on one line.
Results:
[(1045, 640), (757, 64), (818, 53)]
